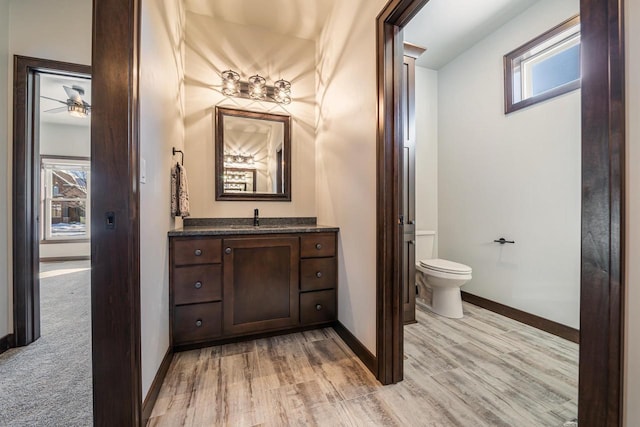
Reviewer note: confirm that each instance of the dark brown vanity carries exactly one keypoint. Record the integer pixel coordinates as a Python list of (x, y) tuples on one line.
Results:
[(229, 279)]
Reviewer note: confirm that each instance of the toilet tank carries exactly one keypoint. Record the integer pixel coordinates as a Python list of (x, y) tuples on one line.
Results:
[(425, 241)]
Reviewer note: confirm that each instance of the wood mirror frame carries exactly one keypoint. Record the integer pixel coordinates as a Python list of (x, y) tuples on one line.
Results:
[(221, 195)]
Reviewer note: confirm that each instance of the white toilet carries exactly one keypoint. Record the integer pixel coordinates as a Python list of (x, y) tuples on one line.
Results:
[(443, 277)]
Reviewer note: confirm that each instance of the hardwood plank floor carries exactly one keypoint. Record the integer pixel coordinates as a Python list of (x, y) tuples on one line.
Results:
[(482, 370)]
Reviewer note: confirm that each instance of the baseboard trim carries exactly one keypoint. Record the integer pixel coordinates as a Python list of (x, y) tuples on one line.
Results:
[(356, 346), (65, 258), (6, 343), (538, 322), (154, 390)]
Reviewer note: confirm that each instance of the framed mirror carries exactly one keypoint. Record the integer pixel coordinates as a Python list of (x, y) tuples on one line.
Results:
[(253, 155)]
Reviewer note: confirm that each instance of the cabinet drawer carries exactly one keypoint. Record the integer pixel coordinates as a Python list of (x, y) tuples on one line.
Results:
[(197, 322), (198, 283), (317, 273), (318, 306), (196, 251), (318, 245)]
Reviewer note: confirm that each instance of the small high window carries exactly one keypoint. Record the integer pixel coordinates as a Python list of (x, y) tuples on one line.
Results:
[(543, 68)]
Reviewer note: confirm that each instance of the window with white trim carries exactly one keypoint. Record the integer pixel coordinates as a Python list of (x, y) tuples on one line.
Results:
[(543, 68), (65, 201)]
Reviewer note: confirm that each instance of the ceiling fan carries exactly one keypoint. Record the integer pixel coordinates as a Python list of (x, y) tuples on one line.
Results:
[(74, 105)]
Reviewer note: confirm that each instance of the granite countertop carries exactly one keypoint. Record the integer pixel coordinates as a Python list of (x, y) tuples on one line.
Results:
[(244, 226)]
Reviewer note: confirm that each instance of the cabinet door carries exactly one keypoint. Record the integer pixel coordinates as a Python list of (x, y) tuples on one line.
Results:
[(260, 283)]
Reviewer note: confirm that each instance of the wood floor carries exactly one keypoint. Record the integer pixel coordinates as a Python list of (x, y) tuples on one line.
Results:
[(482, 370)]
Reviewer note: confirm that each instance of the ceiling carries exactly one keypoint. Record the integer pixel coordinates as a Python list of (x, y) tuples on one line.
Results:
[(51, 86), (445, 27), (296, 18), (449, 27)]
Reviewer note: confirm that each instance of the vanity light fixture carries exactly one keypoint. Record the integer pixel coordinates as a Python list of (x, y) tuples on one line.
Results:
[(255, 88), (238, 159), (230, 83), (282, 91)]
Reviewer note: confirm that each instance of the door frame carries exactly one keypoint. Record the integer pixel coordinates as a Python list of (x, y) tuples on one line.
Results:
[(26, 191), (603, 173), (115, 210)]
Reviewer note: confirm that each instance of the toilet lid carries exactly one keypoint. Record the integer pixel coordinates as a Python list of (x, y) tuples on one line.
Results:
[(445, 266)]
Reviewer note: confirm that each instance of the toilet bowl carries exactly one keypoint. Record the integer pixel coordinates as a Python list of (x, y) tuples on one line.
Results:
[(445, 279)]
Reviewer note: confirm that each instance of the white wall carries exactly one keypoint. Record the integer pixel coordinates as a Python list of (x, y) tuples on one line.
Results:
[(6, 324), (632, 327), (50, 29), (346, 156), (426, 154), (58, 139), (41, 29), (161, 128), (213, 46), (515, 176)]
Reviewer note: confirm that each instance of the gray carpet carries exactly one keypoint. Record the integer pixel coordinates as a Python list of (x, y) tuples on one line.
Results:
[(48, 383)]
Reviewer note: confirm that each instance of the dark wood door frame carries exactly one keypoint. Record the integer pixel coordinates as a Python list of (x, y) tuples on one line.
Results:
[(115, 214), (26, 191), (603, 138)]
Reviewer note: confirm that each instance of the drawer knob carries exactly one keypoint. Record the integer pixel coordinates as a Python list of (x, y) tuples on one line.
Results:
[(318, 246), (319, 274), (198, 323), (227, 251), (198, 252), (318, 307), (198, 285)]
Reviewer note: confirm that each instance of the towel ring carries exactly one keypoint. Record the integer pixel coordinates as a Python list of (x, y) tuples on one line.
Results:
[(181, 155)]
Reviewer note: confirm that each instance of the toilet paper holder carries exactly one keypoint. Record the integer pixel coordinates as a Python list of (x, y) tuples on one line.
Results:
[(502, 241)]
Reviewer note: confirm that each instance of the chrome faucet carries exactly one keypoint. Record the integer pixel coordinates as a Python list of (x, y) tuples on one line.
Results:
[(256, 218)]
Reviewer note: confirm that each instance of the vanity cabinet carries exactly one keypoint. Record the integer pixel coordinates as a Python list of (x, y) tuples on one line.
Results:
[(229, 286)]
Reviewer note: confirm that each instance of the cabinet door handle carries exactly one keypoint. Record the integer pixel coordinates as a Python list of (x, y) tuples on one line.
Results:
[(198, 252), (318, 246), (318, 307), (198, 284), (198, 323), (227, 251), (319, 274)]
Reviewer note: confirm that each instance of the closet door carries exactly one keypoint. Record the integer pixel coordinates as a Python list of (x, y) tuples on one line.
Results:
[(408, 208)]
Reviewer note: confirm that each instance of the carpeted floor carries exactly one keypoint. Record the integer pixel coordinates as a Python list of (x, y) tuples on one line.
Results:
[(48, 383)]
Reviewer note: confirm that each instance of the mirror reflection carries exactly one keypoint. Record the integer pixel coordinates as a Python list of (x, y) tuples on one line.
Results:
[(252, 155)]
